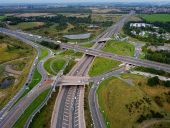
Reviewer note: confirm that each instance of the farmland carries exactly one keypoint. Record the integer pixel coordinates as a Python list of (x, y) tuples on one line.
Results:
[(156, 17)]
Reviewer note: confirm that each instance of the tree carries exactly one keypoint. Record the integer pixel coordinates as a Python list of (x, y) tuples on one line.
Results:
[(153, 81)]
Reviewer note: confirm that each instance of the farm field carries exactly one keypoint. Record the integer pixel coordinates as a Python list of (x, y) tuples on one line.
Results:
[(102, 65), (120, 48), (156, 17), (117, 98)]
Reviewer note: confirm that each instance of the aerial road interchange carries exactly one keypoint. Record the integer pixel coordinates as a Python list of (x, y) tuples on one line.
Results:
[(69, 111)]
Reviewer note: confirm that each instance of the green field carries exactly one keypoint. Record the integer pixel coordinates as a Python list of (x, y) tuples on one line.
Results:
[(117, 98), (102, 65), (156, 17), (27, 25), (24, 117), (54, 65), (2, 17), (120, 48)]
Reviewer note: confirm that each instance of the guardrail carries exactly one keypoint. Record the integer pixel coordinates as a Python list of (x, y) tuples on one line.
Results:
[(46, 99)]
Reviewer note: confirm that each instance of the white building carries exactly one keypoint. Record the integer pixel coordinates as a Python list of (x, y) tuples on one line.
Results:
[(138, 25)]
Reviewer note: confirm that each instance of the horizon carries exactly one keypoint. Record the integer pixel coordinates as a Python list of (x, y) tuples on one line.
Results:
[(78, 1)]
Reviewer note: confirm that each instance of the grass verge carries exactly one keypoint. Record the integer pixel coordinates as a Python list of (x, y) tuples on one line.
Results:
[(43, 119), (87, 113)]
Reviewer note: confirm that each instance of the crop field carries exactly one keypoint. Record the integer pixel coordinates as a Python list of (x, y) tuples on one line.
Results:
[(156, 17), (102, 65), (117, 98), (120, 48)]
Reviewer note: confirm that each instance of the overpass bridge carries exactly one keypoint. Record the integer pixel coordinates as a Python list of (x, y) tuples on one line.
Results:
[(74, 80)]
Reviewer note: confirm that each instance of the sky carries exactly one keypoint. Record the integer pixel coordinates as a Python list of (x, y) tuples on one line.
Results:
[(70, 1)]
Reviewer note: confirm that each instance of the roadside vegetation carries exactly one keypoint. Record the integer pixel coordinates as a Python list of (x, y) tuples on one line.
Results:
[(31, 108), (120, 48), (122, 104), (102, 65), (87, 113), (43, 118), (43, 53), (15, 62), (152, 71)]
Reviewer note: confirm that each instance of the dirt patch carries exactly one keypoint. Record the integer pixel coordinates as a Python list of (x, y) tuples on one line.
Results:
[(9, 69)]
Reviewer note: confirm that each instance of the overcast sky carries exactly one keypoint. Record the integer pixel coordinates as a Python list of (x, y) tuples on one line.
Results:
[(61, 1)]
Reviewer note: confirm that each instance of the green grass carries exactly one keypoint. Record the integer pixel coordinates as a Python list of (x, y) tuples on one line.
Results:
[(87, 113), (2, 17), (87, 45), (28, 25), (156, 17), (24, 117), (43, 54), (120, 48), (43, 119), (54, 65), (114, 95), (102, 65)]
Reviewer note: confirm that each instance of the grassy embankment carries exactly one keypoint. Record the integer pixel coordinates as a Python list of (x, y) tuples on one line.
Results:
[(43, 119), (102, 65), (11, 50), (23, 118), (122, 104)]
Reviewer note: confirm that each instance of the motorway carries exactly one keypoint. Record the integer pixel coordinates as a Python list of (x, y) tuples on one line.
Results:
[(69, 110), (125, 59), (69, 107)]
